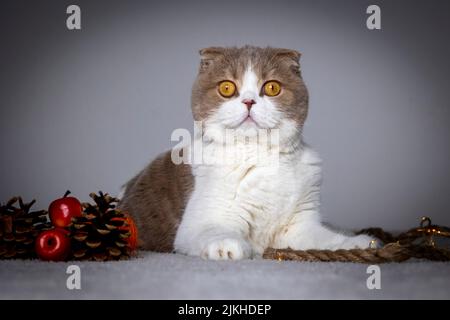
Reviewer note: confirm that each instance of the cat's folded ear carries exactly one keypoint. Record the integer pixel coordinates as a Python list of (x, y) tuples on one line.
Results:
[(291, 56), (208, 55), (294, 55)]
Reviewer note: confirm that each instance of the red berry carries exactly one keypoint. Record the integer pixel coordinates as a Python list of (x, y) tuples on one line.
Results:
[(130, 226), (53, 245), (133, 239), (61, 211)]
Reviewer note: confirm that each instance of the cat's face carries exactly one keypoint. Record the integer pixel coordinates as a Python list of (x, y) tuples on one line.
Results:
[(250, 88)]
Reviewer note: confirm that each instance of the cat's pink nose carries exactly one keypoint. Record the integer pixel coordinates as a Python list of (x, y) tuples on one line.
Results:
[(249, 103)]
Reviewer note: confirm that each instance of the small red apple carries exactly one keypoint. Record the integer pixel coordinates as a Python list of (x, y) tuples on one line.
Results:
[(61, 211), (53, 245)]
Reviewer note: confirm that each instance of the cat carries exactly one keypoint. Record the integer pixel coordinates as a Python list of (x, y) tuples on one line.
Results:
[(235, 211)]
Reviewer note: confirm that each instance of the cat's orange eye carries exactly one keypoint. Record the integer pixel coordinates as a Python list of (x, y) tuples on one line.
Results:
[(227, 88), (272, 88)]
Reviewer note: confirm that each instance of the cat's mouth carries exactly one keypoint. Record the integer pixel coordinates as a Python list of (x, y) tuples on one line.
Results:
[(248, 121)]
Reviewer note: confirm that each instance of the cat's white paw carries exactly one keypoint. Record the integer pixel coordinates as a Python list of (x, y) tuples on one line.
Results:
[(227, 249), (361, 241)]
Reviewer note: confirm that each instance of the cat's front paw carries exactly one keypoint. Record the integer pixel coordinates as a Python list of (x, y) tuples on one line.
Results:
[(227, 249), (361, 242)]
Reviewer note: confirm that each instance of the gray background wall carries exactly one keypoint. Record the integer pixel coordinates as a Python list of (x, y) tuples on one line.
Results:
[(85, 110)]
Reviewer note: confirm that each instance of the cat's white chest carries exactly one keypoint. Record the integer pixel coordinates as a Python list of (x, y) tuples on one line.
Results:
[(264, 197)]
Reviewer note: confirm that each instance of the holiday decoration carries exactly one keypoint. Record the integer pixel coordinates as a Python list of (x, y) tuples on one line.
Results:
[(416, 243), (77, 231), (102, 232), (53, 245), (62, 210), (19, 228), (129, 225)]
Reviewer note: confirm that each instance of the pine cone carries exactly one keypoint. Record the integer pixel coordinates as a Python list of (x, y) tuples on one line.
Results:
[(19, 228), (101, 233)]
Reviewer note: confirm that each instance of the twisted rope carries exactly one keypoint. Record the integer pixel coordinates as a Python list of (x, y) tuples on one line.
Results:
[(397, 249), (392, 252)]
